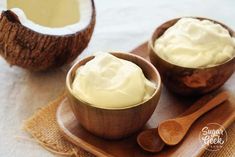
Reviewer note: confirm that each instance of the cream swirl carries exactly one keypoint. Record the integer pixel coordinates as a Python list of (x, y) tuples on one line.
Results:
[(195, 43), (109, 82)]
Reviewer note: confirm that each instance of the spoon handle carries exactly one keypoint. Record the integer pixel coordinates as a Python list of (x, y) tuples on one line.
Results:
[(212, 103)]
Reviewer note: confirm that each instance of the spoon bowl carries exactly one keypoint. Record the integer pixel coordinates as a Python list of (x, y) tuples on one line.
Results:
[(171, 132), (150, 141)]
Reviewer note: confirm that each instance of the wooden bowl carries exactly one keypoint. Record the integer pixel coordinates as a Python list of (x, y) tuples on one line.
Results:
[(189, 81), (115, 123)]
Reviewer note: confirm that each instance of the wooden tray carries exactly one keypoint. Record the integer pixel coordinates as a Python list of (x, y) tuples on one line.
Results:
[(169, 106)]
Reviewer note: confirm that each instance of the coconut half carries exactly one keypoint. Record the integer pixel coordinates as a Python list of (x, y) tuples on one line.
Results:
[(42, 34)]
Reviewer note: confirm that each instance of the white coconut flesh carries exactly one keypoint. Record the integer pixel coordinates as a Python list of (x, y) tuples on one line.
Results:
[(52, 17)]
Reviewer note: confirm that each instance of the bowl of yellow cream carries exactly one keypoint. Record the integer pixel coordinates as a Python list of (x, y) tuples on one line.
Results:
[(113, 94), (193, 55)]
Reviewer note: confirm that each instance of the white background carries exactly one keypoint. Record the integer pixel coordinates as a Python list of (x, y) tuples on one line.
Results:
[(121, 25)]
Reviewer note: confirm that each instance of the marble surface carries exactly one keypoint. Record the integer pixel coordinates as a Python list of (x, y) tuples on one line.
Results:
[(121, 25)]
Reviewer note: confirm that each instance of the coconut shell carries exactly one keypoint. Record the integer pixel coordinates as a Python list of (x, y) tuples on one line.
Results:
[(189, 81), (34, 51)]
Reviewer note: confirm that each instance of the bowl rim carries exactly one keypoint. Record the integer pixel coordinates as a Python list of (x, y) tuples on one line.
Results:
[(152, 40), (90, 57)]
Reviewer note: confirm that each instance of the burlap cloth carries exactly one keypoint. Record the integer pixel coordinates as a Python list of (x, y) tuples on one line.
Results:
[(44, 129)]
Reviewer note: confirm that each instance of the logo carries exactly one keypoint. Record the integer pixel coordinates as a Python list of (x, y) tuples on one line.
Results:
[(213, 136)]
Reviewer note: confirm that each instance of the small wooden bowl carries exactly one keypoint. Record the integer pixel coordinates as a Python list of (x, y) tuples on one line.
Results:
[(115, 123), (189, 81)]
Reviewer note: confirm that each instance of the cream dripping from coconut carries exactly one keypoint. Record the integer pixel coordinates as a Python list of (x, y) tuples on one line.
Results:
[(109, 82)]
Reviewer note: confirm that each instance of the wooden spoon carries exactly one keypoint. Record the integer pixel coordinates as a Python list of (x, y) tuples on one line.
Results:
[(172, 131), (149, 139)]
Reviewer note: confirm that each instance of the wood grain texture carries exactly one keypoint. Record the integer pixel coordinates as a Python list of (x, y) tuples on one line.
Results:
[(190, 81), (34, 51), (115, 123), (172, 131), (170, 106)]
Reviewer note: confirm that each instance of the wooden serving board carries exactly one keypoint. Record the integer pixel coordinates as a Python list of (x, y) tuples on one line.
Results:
[(170, 106)]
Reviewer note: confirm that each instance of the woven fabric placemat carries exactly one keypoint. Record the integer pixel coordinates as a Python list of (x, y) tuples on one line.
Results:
[(44, 129)]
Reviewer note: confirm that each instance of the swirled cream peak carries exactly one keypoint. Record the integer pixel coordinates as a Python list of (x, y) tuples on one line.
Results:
[(195, 43), (109, 82)]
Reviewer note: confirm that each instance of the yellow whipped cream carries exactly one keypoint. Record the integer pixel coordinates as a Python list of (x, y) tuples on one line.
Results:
[(109, 82), (193, 43)]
